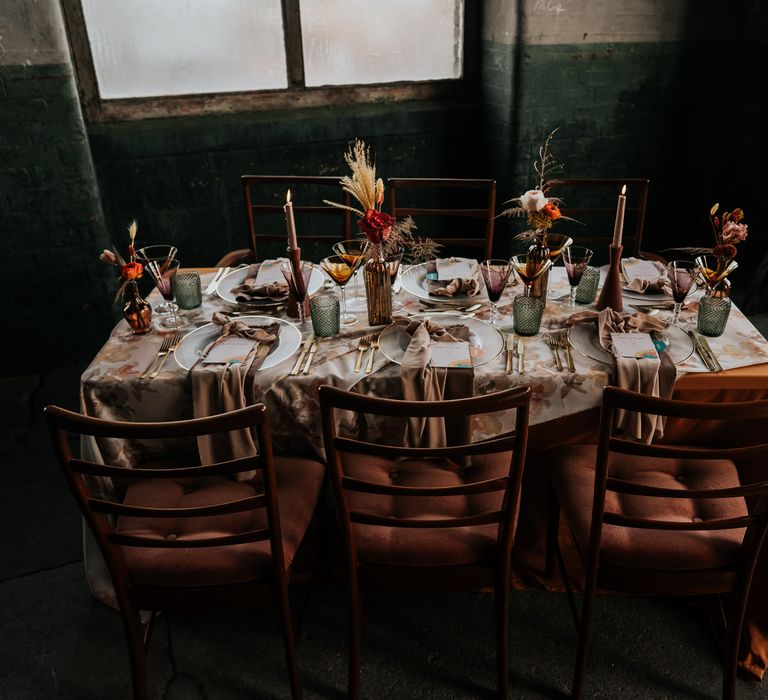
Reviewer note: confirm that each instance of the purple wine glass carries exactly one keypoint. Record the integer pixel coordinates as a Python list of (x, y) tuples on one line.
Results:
[(495, 275), (682, 274), (576, 259)]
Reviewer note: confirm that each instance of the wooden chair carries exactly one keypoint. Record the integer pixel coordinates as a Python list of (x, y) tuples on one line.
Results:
[(592, 201), (190, 538), (264, 197), (471, 202), (661, 519), (459, 519)]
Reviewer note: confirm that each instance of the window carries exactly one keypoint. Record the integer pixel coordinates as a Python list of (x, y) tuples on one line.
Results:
[(159, 57)]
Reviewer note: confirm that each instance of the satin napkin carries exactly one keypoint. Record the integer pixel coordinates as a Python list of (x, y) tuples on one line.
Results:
[(422, 382), (249, 291), (461, 285), (654, 377), (660, 285), (219, 388)]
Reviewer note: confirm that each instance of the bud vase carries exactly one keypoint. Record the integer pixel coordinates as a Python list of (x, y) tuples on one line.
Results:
[(136, 311), (378, 289), (539, 253)]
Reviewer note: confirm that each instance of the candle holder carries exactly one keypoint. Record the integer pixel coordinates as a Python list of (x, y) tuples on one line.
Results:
[(292, 310), (610, 296)]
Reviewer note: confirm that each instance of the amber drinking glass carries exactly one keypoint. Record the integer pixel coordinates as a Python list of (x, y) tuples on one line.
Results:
[(496, 275), (353, 252), (557, 243), (339, 270), (529, 270)]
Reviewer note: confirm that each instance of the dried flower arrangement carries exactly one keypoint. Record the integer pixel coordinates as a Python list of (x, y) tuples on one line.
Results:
[(129, 271)]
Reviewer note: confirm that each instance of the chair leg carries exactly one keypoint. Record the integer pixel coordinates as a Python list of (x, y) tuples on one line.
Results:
[(553, 529), (501, 595), (734, 628), (585, 631), (355, 640), (289, 641), (137, 653)]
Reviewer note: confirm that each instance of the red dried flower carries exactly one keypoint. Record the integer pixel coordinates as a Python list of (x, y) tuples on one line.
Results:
[(376, 226)]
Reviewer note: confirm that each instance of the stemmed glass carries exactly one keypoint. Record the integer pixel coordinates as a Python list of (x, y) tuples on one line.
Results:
[(576, 259), (163, 274), (300, 294), (353, 253), (529, 270), (339, 270), (495, 274), (714, 270), (557, 243), (682, 274), (162, 255), (392, 262)]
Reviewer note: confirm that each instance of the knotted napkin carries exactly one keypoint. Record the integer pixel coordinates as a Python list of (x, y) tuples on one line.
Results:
[(461, 285), (250, 291), (660, 285), (219, 388), (654, 377), (422, 382)]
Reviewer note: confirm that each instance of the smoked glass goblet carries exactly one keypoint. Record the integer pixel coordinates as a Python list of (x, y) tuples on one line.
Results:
[(576, 259), (495, 275), (682, 274)]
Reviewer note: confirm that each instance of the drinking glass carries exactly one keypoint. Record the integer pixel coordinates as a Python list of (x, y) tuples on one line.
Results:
[(557, 244), (299, 291), (576, 259), (163, 274), (393, 261), (682, 274), (188, 290), (324, 310), (529, 270), (162, 255), (339, 270), (353, 253), (495, 274)]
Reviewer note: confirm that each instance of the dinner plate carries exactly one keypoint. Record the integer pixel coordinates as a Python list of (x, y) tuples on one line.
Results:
[(485, 341), (236, 277), (192, 344), (414, 281), (583, 338), (655, 298)]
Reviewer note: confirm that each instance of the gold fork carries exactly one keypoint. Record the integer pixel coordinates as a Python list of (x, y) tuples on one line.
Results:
[(362, 346), (161, 353), (174, 344), (554, 344), (374, 348), (563, 340)]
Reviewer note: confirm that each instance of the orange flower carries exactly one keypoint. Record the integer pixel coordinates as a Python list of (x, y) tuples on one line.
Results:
[(131, 271), (551, 211)]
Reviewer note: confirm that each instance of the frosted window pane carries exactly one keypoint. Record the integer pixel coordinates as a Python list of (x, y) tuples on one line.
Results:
[(176, 47), (370, 41)]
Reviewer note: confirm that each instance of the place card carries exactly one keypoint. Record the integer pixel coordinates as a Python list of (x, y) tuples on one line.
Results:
[(635, 269), (640, 346), (229, 351), (269, 272), (453, 268), (450, 354)]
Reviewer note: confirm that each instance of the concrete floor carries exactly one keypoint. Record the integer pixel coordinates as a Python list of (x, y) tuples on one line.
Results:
[(57, 641)]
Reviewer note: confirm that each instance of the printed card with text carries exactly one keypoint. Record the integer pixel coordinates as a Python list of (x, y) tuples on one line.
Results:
[(229, 351), (637, 345), (450, 354), (635, 269), (453, 268), (269, 272)]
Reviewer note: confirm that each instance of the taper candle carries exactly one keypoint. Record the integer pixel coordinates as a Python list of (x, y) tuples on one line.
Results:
[(618, 227), (293, 242)]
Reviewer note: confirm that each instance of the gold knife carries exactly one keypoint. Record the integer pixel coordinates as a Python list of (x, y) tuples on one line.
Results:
[(307, 343), (700, 351), (520, 356), (311, 356), (510, 352), (715, 362)]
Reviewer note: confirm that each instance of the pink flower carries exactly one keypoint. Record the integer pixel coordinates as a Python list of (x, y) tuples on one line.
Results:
[(108, 257), (733, 232)]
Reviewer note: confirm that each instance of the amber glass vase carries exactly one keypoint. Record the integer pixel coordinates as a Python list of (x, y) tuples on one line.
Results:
[(538, 253), (378, 289), (136, 311)]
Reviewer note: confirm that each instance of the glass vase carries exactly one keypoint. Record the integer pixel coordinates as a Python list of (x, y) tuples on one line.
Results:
[(378, 289), (136, 311), (713, 315), (538, 253)]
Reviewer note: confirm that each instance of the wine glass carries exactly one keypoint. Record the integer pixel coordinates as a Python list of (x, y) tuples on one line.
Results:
[(299, 290), (353, 253), (495, 274), (339, 270), (576, 259), (163, 274), (162, 255), (557, 244), (392, 262), (682, 274), (529, 270)]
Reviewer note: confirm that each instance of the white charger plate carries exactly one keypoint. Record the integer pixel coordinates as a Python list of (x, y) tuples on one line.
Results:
[(234, 278), (414, 281), (193, 343), (584, 338), (485, 341)]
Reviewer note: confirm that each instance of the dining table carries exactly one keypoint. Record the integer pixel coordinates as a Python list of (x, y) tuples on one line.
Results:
[(564, 404)]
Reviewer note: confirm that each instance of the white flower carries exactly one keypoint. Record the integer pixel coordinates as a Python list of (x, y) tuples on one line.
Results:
[(533, 200)]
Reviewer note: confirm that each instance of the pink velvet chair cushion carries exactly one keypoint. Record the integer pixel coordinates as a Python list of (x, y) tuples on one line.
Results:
[(298, 486), (425, 546), (572, 473)]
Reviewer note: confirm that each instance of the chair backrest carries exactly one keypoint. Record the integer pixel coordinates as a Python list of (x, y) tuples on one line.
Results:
[(459, 214), (333, 399), (592, 201), (100, 512), (264, 197), (756, 521)]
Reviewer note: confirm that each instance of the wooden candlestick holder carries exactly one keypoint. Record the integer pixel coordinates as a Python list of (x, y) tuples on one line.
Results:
[(611, 292), (294, 257)]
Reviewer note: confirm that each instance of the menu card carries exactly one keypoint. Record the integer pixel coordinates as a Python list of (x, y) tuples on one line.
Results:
[(269, 272), (637, 345), (635, 269), (453, 268), (450, 354), (230, 351)]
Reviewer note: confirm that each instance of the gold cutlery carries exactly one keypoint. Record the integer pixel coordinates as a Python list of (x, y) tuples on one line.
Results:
[(697, 346), (310, 356), (374, 348), (565, 343), (211, 288), (510, 352), (307, 344), (520, 356), (175, 340), (554, 343), (715, 362), (363, 344), (162, 352)]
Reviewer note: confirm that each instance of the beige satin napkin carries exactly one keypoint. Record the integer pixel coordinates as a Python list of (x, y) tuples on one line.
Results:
[(219, 388), (461, 285), (647, 376), (250, 291), (422, 382), (660, 285)]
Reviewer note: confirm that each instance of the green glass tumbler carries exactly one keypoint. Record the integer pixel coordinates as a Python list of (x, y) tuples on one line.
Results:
[(586, 292), (526, 314), (713, 315), (187, 290), (326, 315)]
